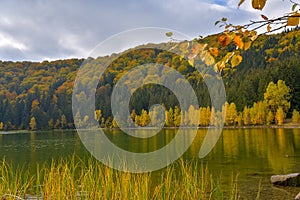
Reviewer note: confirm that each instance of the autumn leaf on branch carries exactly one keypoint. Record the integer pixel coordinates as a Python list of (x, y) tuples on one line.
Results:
[(238, 42), (236, 60), (258, 4), (293, 20), (216, 52)]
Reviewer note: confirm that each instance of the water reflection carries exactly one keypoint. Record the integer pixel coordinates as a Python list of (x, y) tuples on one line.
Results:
[(255, 154)]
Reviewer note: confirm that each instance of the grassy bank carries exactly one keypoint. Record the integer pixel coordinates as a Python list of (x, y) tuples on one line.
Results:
[(77, 179)]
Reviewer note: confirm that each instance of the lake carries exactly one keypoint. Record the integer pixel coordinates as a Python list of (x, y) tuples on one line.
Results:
[(252, 154)]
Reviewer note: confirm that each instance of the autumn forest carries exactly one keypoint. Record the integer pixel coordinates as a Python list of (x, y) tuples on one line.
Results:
[(260, 91)]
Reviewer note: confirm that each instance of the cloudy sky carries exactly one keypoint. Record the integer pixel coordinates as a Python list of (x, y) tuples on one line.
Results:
[(39, 30)]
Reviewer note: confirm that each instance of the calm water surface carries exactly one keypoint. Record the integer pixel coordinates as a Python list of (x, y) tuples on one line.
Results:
[(252, 154)]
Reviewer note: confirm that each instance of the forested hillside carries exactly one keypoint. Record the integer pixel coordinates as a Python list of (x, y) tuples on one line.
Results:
[(38, 95)]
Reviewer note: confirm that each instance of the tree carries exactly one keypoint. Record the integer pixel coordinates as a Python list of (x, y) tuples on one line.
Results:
[(51, 124), (1, 125), (231, 114), (207, 116), (258, 113), (63, 121), (277, 95), (157, 117), (295, 116), (239, 119), (57, 124), (133, 115), (85, 120), (246, 116), (137, 120), (32, 123), (202, 118), (170, 118), (46, 96), (145, 118), (98, 115), (108, 122), (193, 116), (102, 122), (270, 118), (114, 124), (77, 119), (177, 116), (214, 119), (280, 116)]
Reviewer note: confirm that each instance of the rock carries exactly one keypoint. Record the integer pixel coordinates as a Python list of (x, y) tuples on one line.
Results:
[(286, 180), (298, 196)]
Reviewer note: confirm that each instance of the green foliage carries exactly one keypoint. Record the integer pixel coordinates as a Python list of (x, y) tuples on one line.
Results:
[(277, 95)]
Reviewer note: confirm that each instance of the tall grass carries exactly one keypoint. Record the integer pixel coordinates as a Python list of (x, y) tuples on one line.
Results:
[(78, 179)]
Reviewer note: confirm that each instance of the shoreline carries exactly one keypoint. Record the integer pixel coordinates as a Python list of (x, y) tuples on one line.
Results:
[(286, 126)]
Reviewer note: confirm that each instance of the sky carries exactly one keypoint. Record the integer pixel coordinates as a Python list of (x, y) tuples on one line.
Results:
[(37, 30)]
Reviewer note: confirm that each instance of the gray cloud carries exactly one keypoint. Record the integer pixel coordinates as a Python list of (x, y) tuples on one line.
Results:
[(63, 29)]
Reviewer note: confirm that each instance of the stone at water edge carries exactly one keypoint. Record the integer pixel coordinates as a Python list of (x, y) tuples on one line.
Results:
[(286, 180), (298, 196)]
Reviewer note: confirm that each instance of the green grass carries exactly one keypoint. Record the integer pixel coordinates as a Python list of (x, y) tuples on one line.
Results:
[(77, 179)]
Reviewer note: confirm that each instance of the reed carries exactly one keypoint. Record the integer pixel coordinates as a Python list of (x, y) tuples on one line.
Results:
[(73, 178)]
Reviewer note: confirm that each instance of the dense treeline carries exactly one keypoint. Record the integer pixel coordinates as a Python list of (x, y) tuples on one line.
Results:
[(38, 95), (272, 110)]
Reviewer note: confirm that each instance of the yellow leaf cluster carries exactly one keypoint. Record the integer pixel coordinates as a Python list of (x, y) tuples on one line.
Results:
[(293, 20), (236, 60), (258, 4)]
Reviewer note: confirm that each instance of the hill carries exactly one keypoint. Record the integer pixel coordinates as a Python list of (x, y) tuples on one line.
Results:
[(43, 90)]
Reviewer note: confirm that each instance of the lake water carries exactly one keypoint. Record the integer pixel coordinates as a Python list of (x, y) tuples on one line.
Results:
[(253, 154)]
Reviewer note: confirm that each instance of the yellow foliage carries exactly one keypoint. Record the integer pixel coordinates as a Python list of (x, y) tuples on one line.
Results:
[(293, 20), (258, 4), (236, 60), (32, 123), (296, 116), (280, 116)]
